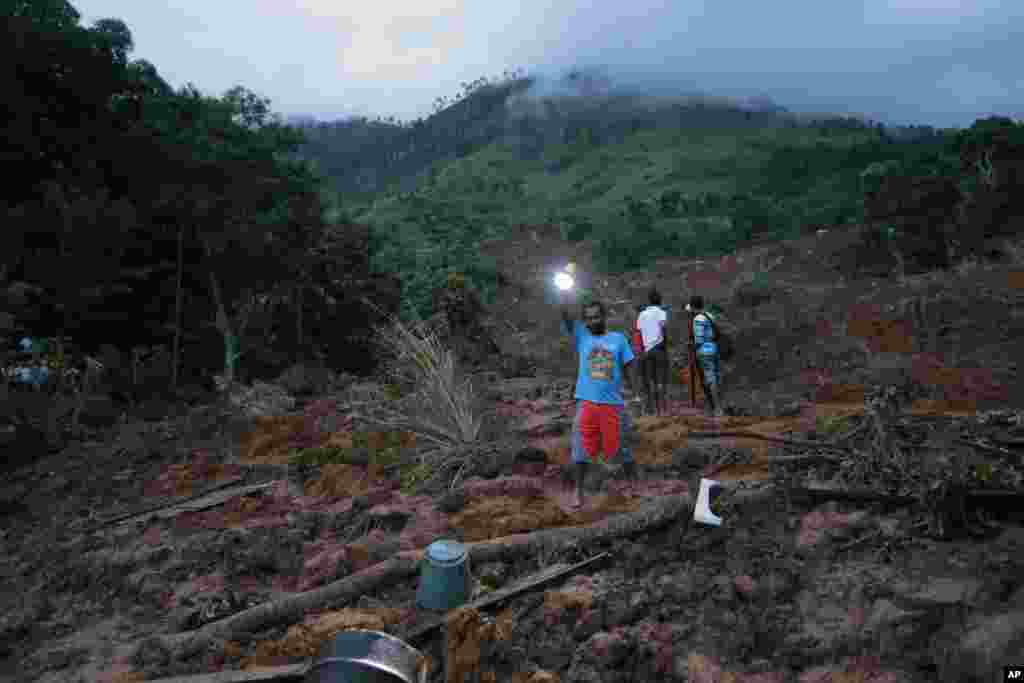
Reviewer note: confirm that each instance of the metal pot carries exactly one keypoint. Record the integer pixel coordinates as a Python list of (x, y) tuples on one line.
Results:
[(359, 656)]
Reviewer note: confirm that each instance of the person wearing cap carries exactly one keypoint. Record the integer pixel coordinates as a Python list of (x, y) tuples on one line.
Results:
[(602, 424), (707, 353)]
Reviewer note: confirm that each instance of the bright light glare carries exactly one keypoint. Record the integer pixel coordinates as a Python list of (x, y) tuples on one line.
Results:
[(563, 281)]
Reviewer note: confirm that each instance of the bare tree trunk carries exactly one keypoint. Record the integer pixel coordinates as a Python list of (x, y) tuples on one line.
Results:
[(176, 350), (223, 322), (300, 295), (224, 327)]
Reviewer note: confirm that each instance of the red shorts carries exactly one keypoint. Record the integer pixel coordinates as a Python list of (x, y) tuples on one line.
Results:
[(599, 429)]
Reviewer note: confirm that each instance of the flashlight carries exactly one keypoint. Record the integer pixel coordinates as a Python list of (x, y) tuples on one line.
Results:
[(564, 280)]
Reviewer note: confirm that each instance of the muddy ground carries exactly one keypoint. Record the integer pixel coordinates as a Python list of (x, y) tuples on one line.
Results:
[(790, 588)]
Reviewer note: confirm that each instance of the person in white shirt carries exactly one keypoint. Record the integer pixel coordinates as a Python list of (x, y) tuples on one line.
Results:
[(654, 369)]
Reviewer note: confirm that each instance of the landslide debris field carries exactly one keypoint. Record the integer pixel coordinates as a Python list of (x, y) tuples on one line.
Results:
[(872, 518)]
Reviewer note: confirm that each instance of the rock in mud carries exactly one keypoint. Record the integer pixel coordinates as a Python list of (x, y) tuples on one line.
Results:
[(608, 650)]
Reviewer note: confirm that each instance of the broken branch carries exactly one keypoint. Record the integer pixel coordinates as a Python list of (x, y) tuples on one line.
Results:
[(156, 508), (821, 495), (985, 447), (765, 437), (276, 674)]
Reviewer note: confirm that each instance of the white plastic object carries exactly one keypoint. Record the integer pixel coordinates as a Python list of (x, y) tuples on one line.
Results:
[(564, 281), (702, 510)]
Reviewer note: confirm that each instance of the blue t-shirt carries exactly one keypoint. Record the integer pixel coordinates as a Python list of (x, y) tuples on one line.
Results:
[(599, 379)]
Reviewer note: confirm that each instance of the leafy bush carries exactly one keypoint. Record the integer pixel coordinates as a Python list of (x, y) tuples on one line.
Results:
[(991, 181)]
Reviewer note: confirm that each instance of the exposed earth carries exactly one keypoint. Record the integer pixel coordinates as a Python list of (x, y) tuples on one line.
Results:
[(794, 586)]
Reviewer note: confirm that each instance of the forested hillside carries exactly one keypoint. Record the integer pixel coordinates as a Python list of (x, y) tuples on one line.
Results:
[(143, 217), (645, 177)]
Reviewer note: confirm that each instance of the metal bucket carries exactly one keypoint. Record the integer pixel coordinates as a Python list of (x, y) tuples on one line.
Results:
[(367, 657), (444, 576)]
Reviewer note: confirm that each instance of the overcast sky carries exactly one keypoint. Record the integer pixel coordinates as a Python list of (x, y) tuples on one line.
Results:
[(939, 62)]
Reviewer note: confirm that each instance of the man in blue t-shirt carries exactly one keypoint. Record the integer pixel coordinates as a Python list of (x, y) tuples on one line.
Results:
[(601, 424)]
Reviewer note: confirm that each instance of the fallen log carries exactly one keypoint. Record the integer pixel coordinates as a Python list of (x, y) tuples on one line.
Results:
[(821, 495), (273, 674), (765, 437), (205, 502), (405, 565), (991, 499), (163, 506), (532, 582)]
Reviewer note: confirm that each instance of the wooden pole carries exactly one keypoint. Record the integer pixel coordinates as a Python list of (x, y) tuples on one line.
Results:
[(693, 361)]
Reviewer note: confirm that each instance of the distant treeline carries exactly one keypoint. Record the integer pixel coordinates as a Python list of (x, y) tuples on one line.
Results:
[(928, 197)]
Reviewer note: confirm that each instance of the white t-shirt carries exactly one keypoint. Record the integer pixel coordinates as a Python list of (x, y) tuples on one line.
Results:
[(652, 326)]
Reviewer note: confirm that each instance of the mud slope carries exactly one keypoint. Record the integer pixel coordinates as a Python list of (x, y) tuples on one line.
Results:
[(119, 550)]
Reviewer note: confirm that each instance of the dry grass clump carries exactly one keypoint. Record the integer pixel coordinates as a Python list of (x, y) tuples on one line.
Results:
[(442, 406)]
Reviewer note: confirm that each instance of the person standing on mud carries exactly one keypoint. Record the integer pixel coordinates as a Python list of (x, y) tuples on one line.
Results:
[(707, 353), (601, 424), (654, 366)]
